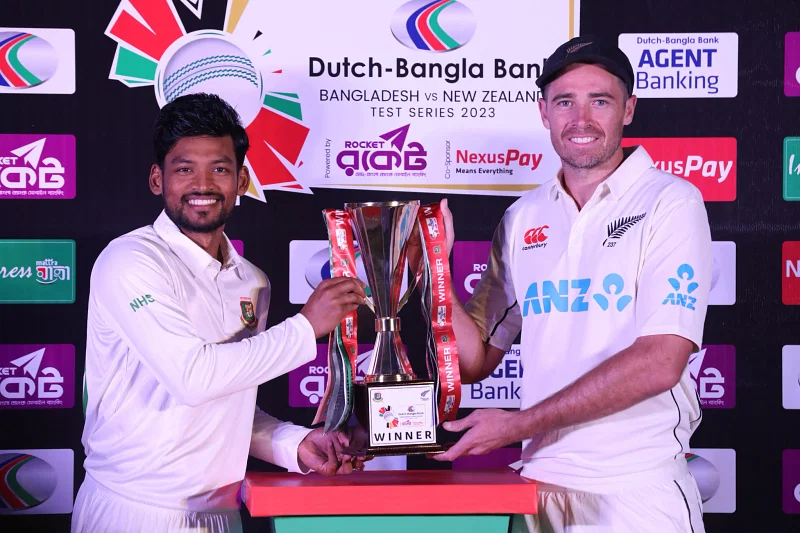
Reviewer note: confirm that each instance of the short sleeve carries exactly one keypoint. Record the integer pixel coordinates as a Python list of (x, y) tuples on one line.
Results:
[(493, 305), (675, 277)]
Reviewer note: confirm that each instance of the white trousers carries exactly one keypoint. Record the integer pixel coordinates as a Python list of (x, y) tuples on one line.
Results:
[(673, 506), (99, 510)]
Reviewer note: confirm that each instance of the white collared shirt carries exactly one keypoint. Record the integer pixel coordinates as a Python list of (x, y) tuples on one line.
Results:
[(583, 285), (174, 357)]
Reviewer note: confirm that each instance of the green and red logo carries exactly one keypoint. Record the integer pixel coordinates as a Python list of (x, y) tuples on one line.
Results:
[(183, 46), (37, 271), (388, 416), (36, 481), (433, 26), (248, 313), (37, 60)]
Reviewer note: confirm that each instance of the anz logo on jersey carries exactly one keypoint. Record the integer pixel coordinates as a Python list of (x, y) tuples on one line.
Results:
[(683, 287), (576, 296)]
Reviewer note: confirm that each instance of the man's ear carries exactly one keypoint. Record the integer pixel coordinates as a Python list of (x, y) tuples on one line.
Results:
[(244, 181), (156, 180), (543, 113), (630, 107)]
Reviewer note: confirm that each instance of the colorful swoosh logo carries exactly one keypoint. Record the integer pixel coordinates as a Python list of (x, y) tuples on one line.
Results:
[(26, 60), (434, 26), (25, 481)]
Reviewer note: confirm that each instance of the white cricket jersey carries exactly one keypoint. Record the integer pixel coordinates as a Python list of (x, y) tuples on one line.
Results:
[(582, 286), (176, 348)]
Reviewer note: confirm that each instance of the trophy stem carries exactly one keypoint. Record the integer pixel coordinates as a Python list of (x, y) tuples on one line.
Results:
[(389, 361)]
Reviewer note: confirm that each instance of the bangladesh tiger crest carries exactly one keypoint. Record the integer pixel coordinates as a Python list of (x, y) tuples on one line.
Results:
[(248, 313)]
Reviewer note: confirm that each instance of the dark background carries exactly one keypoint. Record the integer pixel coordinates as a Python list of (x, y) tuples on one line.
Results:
[(112, 125)]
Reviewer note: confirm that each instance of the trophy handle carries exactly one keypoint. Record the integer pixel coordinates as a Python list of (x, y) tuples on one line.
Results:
[(417, 276), (411, 286), (369, 303)]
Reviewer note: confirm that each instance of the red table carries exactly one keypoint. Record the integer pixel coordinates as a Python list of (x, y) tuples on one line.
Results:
[(416, 500)]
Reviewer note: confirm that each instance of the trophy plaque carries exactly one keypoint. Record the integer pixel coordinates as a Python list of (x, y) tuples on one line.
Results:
[(398, 411)]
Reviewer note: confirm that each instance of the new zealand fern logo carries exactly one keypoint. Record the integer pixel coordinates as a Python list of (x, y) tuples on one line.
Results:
[(618, 228)]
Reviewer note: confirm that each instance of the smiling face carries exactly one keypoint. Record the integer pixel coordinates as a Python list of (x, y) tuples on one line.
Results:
[(585, 110), (199, 182)]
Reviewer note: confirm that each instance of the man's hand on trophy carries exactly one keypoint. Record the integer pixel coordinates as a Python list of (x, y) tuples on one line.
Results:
[(323, 453), (353, 437), (331, 301), (489, 429)]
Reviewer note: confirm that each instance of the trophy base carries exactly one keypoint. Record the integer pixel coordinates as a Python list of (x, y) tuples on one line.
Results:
[(370, 451), (395, 418)]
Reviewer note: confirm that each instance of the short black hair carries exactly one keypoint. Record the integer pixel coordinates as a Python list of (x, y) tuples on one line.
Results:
[(196, 115)]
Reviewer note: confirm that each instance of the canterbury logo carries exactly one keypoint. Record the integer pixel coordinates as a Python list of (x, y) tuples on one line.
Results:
[(618, 228), (535, 238), (576, 47)]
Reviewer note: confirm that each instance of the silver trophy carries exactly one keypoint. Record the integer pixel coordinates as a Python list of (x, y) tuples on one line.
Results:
[(383, 230), (397, 410)]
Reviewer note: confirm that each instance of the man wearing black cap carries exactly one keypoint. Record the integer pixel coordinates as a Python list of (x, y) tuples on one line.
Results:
[(605, 271)]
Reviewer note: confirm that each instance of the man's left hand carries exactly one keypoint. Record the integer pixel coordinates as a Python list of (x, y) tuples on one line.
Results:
[(489, 429), (323, 453)]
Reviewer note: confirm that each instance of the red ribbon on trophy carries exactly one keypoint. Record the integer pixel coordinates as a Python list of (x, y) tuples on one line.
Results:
[(432, 275), (438, 303), (343, 342)]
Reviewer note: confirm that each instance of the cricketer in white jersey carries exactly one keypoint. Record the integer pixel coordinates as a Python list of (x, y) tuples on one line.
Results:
[(177, 345), (605, 271)]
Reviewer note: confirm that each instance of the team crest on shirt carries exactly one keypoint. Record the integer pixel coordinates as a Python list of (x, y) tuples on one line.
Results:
[(618, 228), (248, 313)]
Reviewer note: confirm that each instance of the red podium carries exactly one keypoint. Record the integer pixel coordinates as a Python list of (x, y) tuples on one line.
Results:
[(412, 501)]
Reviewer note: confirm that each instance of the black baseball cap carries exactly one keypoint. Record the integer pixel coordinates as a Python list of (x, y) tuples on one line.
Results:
[(588, 49)]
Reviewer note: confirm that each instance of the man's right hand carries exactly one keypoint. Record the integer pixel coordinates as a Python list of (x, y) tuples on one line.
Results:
[(331, 301)]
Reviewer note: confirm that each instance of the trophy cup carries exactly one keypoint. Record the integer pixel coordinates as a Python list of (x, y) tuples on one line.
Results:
[(398, 411)]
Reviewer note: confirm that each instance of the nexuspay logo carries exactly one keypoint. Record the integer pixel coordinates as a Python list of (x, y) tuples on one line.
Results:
[(709, 163)]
